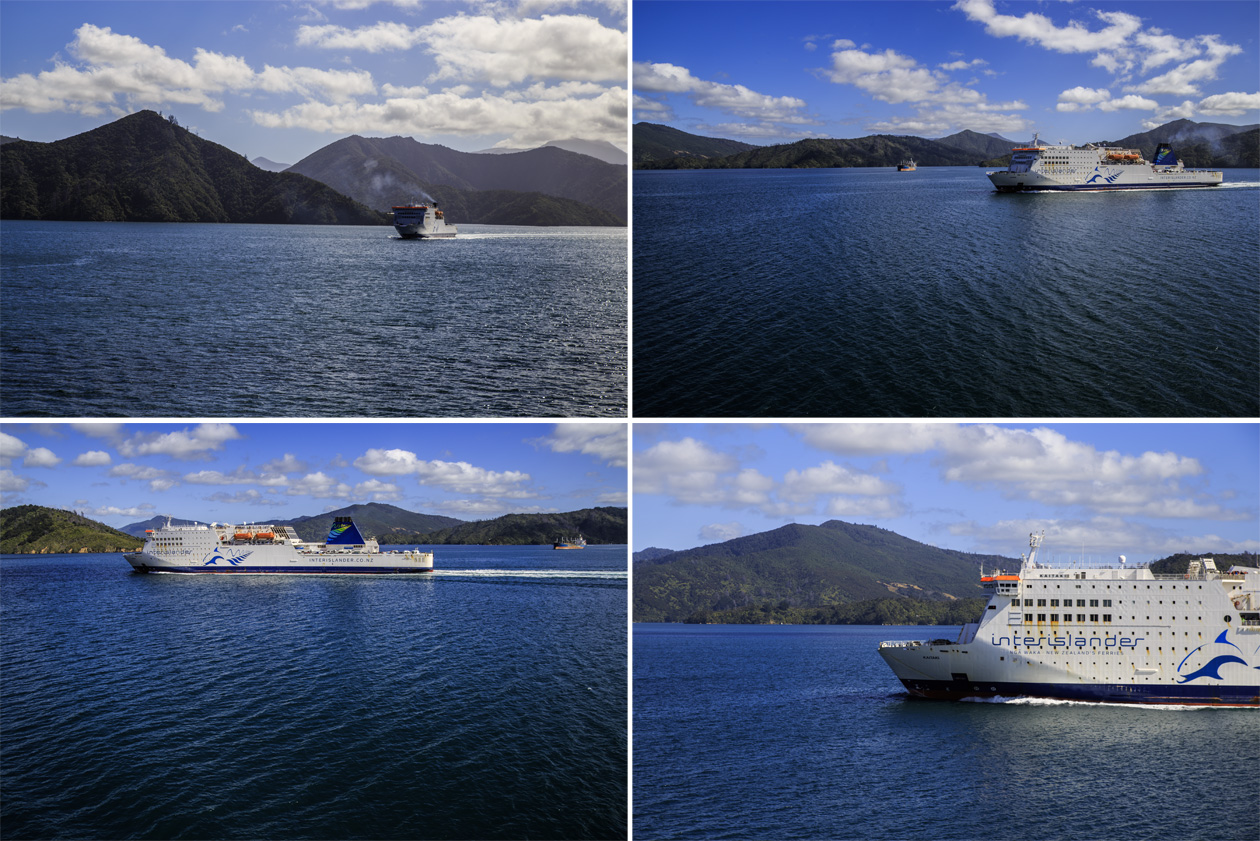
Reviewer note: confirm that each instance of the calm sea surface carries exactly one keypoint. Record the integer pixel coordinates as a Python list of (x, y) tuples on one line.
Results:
[(803, 732), (487, 700), (868, 292), (134, 319)]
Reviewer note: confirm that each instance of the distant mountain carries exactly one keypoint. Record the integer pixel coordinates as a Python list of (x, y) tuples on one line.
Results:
[(554, 186), (651, 554), (655, 142), (36, 529), (831, 564), (374, 519), (600, 149), (269, 165), (1197, 144), (981, 146), (1201, 144), (143, 168), (597, 525)]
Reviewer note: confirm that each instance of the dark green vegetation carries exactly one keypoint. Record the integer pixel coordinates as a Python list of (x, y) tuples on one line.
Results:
[(1197, 144), (653, 142), (543, 186), (144, 168), (34, 529), (833, 574), (890, 611), (597, 525), (803, 567)]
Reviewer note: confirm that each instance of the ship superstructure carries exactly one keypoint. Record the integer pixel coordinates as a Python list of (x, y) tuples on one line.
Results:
[(577, 542), (422, 221), (1095, 633), (218, 548), (1090, 167)]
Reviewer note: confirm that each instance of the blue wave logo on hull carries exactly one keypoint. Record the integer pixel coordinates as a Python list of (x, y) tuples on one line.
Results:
[(217, 555), (1110, 179), (1212, 669)]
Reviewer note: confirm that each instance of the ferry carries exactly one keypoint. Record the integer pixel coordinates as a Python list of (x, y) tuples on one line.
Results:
[(1091, 167), (578, 542), (906, 166), (252, 549), (1099, 633), (422, 221)]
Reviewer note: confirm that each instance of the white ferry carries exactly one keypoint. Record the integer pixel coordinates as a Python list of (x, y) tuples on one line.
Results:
[(1090, 167), (1116, 634), (422, 221), (270, 549)]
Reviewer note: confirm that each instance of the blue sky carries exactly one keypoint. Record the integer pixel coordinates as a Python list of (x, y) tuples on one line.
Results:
[(120, 473), (773, 72), (283, 79), (1143, 490)]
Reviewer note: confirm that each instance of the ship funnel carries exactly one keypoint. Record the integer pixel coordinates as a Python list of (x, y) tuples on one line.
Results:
[(344, 532), (1164, 155)]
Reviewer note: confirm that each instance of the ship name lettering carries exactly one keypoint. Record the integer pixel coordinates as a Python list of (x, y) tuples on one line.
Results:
[(1067, 642)]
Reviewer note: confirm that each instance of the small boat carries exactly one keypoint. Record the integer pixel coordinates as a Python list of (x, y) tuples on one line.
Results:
[(578, 542), (906, 166)]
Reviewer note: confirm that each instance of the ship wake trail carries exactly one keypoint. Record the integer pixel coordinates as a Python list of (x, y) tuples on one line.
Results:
[(534, 574)]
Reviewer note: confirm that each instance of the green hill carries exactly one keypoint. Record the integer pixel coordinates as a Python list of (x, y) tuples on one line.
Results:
[(374, 519), (597, 525), (835, 563), (35, 529), (144, 168), (654, 142)]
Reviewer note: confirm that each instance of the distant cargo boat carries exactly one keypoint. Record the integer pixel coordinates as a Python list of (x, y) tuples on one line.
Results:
[(906, 166), (578, 542), (422, 221), (1091, 167), (270, 549)]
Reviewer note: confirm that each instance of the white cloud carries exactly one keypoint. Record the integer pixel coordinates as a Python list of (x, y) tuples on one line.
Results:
[(1081, 98), (605, 441), (1034, 28), (40, 457), (11, 483), (93, 458), (737, 100), (319, 485), (456, 476), (1130, 102), (289, 463), (1184, 79), (11, 448), (721, 532), (887, 76), (1230, 104), (184, 444), (159, 480)]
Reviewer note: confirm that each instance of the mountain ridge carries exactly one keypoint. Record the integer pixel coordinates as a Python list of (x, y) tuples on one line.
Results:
[(146, 168)]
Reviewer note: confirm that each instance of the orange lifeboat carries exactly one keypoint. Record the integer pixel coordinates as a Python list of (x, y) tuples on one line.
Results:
[(244, 535)]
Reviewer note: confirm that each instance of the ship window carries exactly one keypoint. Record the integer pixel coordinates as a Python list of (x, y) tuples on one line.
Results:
[(1041, 602), (1093, 602), (1080, 602), (1093, 617), (1080, 617), (1106, 603), (1106, 617), (1054, 617), (1041, 617), (1028, 617), (1067, 617), (1054, 602)]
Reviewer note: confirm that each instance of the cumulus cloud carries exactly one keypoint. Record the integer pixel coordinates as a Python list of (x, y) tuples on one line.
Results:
[(605, 441), (1033, 28), (456, 476), (737, 100), (1130, 102), (159, 480), (1230, 104), (1080, 98), (1184, 79), (93, 458), (11, 448), (183, 444), (721, 532)]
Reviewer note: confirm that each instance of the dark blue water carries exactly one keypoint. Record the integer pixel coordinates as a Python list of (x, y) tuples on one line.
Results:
[(868, 292), (445, 706), (803, 732), (131, 319)]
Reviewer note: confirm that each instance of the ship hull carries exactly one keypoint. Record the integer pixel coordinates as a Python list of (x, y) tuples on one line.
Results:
[(1214, 696), (1107, 179), (295, 569)]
